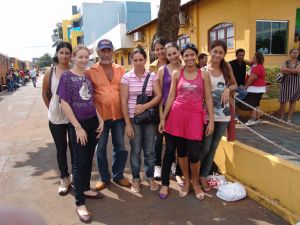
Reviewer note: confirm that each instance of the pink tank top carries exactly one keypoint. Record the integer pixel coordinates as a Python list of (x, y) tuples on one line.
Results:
[(190, 93)]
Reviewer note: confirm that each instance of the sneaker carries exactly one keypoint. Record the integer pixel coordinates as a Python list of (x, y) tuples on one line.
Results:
[(157, 172), (64, 186), (173, 168), (251, 122)]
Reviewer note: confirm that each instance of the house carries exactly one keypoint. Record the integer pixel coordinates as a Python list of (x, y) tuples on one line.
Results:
[(255, 25)]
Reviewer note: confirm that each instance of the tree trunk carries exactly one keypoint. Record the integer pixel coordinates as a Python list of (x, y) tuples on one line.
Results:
[(167, 22)]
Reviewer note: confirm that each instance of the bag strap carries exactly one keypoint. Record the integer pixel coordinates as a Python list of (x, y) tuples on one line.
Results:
[(50, 80), (143, 96), (145, 84)]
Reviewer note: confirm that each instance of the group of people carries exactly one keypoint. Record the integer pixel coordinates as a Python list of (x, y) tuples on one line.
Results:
[(15, 78), (85, 105)]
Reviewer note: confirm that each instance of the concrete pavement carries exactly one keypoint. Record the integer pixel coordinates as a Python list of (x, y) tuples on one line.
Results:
[(29, 178)]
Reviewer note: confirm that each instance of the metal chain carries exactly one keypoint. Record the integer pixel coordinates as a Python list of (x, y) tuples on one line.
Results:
[(270, 141), (266, 114)]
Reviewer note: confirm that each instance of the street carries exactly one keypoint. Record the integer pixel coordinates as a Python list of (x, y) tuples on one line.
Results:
[(29, 179)]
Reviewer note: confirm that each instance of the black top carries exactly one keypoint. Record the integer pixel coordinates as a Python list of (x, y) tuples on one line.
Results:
[(239, 71)]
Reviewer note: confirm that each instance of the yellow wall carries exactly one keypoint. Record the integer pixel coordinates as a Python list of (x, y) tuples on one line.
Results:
[(206, 14), (65, 24), (271, 181), (74, 35), (118, 54)]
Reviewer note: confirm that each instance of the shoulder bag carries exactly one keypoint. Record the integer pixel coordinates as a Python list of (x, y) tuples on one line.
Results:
[(150, 115)]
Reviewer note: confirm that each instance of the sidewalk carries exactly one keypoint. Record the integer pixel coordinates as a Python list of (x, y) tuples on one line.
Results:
[(29, 178)]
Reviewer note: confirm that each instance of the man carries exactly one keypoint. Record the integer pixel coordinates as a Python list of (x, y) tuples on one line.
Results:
[(33, 76), (239, 70), (106, 77), (202, 60)]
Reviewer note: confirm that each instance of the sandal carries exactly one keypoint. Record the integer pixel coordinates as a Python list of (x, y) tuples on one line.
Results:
[(153, 185), (180, 181), (184, 191), (199, 195), (135, 187), (165, 194), (204, 184)]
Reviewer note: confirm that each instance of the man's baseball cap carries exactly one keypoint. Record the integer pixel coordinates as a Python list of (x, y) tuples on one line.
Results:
[(105, 43)]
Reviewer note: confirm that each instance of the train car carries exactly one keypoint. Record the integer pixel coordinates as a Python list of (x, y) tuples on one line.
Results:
[(4, 66)]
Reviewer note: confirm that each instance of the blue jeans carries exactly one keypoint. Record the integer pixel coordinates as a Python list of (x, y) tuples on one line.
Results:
[(83, 158), (33, 81), (241, 93), (117, 128), (209, 146), (144, 137)]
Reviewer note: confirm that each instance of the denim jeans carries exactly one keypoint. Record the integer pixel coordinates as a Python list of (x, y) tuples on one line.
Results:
[(33, 81), (117, 128), (209, 146), (83, 158), (59, 133), (241, 93), (144, 135)]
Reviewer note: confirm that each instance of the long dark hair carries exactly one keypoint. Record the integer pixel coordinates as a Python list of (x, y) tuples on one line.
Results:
[(58, 47), (171, 45), (223, 64)]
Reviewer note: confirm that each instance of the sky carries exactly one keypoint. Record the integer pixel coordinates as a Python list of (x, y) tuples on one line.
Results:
[(27, 26)]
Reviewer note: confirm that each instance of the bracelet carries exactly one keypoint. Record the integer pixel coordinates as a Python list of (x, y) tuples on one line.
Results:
[(77, 127)]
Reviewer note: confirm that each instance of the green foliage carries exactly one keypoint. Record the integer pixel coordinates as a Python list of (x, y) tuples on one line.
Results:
[(272, 87), (45, 60)]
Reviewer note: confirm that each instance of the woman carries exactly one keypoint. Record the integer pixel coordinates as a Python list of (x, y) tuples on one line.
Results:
[(255, 86), (160, 53), (141, 135), (58, 122), (75, 93), (290, 85), (222, 84), (183, 119), (164, 74)]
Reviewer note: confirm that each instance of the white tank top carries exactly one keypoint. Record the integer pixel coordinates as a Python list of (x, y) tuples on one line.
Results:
[(221, 112), (55, 112)]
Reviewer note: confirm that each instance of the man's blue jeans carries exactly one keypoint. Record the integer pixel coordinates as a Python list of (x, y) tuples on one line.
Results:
[(117, 128), (144, 137)]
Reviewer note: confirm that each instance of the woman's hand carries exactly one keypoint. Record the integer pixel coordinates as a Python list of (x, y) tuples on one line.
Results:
[(139, 108), (210, 128), (81, 135), (161, 126), (100, 128), (225, 96), (129, 131)]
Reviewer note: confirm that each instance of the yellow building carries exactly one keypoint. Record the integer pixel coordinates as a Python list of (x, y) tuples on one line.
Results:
[(265, 25), (71, 32)]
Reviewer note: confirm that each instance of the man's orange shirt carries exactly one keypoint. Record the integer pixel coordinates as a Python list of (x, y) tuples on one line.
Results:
[(107, 93)]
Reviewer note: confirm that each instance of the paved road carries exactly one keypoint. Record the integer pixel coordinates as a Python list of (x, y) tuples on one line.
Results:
[(29, 178), (282, 134)]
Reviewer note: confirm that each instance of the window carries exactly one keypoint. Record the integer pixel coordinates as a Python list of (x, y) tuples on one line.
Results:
[(182, 40), (129, 58), (271, 37), (122, 60), (223, 31)]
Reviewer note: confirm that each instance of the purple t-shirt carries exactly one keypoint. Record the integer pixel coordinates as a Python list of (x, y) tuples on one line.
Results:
[(77, 92)]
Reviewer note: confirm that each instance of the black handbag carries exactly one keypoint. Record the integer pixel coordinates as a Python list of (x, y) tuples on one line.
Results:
[(150, 115)]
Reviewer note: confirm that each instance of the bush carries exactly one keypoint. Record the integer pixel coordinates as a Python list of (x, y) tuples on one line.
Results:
[(272, 87)]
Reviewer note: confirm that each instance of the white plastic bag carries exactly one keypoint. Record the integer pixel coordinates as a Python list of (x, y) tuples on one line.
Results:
[(231, 192), (216, 180)]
